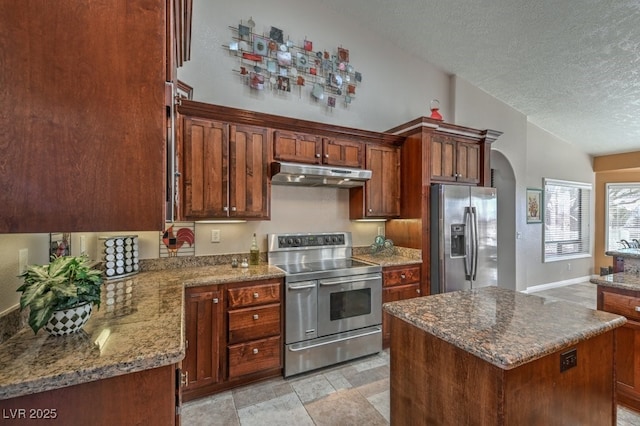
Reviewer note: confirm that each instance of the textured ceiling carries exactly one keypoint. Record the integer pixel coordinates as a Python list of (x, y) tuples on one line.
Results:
[(571, 66)]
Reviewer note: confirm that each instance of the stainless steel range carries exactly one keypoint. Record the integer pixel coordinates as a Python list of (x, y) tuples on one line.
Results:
[(333, 303)]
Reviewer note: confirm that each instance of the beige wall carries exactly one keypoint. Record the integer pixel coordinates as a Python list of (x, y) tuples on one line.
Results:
[(615, 168)]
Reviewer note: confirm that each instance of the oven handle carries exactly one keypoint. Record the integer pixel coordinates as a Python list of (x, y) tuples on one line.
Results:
[(339, 339), (352, 279), (301, 287)]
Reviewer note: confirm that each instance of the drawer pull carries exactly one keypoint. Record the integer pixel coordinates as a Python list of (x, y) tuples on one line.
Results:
[(418, 290), (215, 300), (637, 308), (403, 276), (255, 351), (256, 295), (255, 316)]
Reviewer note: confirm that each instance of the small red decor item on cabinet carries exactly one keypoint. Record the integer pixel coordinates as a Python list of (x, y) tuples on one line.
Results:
[(435, 110)]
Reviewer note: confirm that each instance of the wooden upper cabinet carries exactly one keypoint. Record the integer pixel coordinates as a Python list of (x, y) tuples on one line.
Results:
[(380, 196), (297, 147), (83, 141), (453, 160), (224, 170), (313, 149), (339, 152)]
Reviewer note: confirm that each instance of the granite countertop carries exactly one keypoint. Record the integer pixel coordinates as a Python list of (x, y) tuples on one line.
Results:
[(140, 321), (401, 256), (623, 280), (629, 252), (504, 327)]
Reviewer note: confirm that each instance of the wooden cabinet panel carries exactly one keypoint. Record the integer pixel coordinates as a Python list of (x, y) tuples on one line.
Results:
[(627, 342), (224, 170), (297, 147), (83, 140), (338, 152), (204, 336), (248, 171), (468, 162), (401, 275), (454, 161), (257, 294), (622, 304), (254, 323), (380, 196), (257, 355)]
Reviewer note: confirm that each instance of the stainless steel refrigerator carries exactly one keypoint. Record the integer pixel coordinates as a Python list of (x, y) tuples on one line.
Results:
[(464, 237)]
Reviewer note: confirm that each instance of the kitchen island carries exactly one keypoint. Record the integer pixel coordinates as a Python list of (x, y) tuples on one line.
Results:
[(121, 368), (493, 356)]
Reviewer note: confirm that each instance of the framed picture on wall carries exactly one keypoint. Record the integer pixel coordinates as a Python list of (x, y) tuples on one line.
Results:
[(534, 205)]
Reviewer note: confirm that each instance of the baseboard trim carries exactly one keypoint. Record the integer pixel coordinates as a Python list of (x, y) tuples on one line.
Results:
[(556, 284)]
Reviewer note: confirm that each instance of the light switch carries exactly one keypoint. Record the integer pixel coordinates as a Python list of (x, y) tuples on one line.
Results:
[(23, 260)]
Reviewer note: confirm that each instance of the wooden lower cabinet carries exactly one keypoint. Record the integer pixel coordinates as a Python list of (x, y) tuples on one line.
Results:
[(398, 283), (627, 342), (143, 398), (233, 335)]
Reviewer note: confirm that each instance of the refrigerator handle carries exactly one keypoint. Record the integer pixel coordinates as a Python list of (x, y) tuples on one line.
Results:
[(474, 251), (468, 256)]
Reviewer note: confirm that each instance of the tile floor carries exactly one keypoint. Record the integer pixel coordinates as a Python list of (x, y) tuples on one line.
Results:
[(353, 393)]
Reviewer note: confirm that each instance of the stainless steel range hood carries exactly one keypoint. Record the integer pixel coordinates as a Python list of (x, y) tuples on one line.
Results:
[(314, 175)]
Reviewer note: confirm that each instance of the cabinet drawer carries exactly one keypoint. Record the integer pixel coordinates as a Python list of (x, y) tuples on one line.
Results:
[(401, 276), (621, 304), (254, 323), (260, 294), (258, 355)]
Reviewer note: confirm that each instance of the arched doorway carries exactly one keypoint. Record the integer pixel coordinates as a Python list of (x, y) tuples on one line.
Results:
[(504, 180)]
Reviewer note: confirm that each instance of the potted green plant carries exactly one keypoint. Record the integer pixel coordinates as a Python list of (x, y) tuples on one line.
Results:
[(60, 295)]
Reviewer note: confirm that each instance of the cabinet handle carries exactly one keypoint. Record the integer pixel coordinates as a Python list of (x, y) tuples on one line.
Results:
[(370, 210), (317, 155), (215, 300), (637, 308), (225, 209), (418, 290), (403, 276), (255, 316), (256, 295), (233, 209), (255, 351), (326, 156)]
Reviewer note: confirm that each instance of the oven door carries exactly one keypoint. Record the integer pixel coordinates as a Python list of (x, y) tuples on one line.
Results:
[(348, 303), (301, 306)]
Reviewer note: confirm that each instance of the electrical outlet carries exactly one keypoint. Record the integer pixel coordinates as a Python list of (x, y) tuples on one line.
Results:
[(568, 360), (23, 260), (215, 235), (380, 230)]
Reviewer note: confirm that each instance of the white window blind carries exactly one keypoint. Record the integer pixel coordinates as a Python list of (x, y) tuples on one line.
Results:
[(567, 223), (622, 214)]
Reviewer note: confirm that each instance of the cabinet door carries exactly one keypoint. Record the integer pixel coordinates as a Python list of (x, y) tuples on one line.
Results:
[(205, 168), (382, 191), (392, 294), (248, 172), (338, 152), (297, 147), (468, 162), (83, 142), (204, 333), (443, 152)]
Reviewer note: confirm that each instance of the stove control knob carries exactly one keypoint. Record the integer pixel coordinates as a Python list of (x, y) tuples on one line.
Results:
[(298, 241), (289, 241), (334, 239), (320, 241)]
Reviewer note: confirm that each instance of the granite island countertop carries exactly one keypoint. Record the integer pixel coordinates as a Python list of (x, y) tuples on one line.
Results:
[(140, 324), (628, 252), (622, 280), (504, 327)]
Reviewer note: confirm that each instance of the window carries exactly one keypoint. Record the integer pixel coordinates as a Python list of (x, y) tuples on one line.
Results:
[(567, 223), (622, 214)]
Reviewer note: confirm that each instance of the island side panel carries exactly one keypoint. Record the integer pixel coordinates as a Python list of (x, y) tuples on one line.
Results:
[(142, 398), (434, 382), (538, 393)]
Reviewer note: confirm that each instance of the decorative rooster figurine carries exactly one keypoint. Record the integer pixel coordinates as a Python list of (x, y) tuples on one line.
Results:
[(174, 242)]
